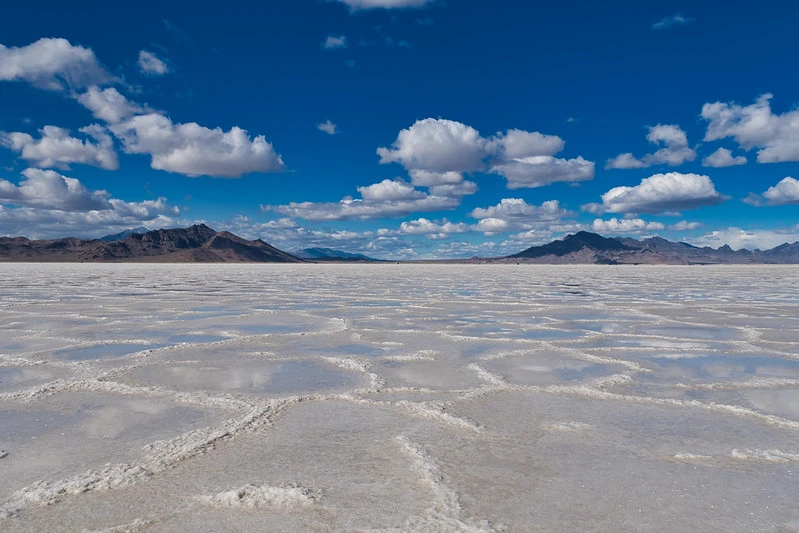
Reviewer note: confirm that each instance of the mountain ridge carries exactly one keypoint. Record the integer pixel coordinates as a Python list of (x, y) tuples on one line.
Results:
[(195, 244), (202, 244), (590, 248)]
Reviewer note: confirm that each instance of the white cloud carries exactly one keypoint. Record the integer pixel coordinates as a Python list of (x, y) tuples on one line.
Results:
[(359, 209), (108, 104), (678, 19), (333, 42), (625, 161), (52, 64), (492, 226), (723, 158), (426, 178), (57, 148), (684, 225), (675, 150), (626, 225), (47, 188), (195, 150), (383, 4), (540, 170), (658, 194), (151, 65), (388, 190), (327, 127), (514, 214), (755, 126), (783, 193), (519, 210), (737, 238), (439, 150), (520, 144), (431, 229), (438, 145), (453, 190), (50, 205)]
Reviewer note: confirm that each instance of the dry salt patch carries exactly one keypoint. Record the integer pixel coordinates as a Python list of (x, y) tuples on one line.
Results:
[(569, 427), (254, 496), (769, 456), (129, 527), (445, 512)]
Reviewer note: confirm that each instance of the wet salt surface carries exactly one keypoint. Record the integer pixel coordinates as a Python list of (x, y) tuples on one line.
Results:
[(398, 398)]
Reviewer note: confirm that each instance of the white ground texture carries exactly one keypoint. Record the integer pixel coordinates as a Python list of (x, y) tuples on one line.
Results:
[(440, 398)]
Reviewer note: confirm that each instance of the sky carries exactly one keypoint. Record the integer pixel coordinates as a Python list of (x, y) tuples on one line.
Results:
[(403, 129)]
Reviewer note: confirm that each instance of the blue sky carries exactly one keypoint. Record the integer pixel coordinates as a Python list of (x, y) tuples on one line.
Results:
[(403, 128)]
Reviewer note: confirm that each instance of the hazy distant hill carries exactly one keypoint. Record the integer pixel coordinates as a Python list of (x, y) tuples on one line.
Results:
[(329, 254), (195, 244), (590, 248), (124, 234)]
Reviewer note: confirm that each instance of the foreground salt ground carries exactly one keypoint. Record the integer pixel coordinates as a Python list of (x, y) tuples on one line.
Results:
[(398, 398)]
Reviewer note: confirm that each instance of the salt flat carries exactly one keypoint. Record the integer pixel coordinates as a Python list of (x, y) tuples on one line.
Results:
[(398, 398)]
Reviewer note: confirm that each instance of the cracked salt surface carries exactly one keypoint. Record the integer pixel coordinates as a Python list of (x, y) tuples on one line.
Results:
[(398, 398)]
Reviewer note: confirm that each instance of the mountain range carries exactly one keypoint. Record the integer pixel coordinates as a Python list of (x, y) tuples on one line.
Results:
[(201, 244), (589, 248), (196, 244)]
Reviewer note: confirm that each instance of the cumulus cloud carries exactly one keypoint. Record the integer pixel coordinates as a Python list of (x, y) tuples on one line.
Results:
[(783, 193), (518, 209), (520, 144), (433, 230), (195, 150), (684, 225), (514, 214), (439, 151), (626, 226), (390, 190), (776, 137), (426, 178), (492, 226), (108, 104), (674, 150), (51, 204), (537, 171), (57, 148), (383, 4), (677, 19), (334, 41), (361, 209), (464, 188), (52, 64), (327, 127), (47, 188), (438, 145), (723, 158), (151, 65), (660, 193), (185, 148)]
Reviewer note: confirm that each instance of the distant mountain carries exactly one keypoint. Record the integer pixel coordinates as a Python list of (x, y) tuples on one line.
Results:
[(589, 248), (124, 234), (329, 254), (195, 244)]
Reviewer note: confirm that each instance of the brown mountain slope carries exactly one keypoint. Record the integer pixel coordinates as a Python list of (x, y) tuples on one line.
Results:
[(195, 244)]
